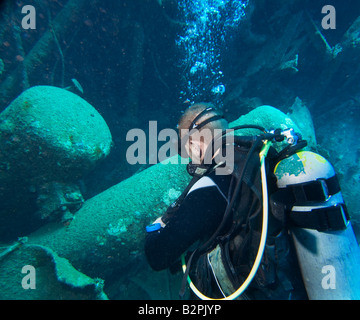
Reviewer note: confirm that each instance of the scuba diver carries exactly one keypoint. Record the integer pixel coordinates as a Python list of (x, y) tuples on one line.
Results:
[(274, 227)]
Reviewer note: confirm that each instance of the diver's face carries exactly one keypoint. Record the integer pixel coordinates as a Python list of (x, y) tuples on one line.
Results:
[(197, 144), (195, 151)]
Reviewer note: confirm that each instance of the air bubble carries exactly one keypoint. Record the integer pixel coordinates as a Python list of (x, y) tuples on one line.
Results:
[(201, 44), (220, 89)]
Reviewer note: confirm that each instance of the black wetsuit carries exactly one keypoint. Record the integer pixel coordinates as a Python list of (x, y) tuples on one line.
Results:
[(197, 218)]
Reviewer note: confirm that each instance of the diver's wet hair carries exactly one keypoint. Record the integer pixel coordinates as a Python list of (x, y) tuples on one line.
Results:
[(199, 115)]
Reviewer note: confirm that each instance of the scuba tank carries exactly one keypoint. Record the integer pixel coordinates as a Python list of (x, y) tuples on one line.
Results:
[(327, 250)]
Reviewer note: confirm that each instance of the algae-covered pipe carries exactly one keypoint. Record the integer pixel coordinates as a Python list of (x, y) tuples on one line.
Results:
[(108, 232)]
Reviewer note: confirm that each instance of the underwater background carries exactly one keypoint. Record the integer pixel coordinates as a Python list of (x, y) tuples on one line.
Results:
[(73, 86)]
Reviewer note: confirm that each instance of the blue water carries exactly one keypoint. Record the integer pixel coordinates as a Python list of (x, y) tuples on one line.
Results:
[(209, 27)]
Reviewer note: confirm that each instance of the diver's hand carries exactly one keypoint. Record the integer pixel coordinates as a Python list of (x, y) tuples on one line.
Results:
[(158, 220)]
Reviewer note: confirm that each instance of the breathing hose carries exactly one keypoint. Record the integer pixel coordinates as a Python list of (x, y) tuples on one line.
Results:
[(260, 252)]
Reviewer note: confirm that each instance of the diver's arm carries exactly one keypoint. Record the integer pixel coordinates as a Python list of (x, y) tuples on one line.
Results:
[(199, 215)]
